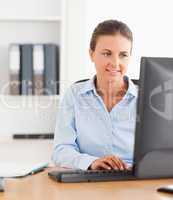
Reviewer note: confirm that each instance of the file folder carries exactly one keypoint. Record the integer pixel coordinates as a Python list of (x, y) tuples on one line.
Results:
[(38, 67), (26, 69), (14, 68), (51, 72)]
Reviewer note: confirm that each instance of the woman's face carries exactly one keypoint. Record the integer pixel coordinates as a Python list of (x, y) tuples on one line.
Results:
[(111, 56)]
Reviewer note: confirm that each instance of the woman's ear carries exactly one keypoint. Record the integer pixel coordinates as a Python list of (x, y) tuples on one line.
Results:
[(91, 52)]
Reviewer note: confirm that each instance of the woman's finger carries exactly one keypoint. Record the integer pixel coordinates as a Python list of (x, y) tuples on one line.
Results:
[(102, 165), (111, 163), (121, 165)]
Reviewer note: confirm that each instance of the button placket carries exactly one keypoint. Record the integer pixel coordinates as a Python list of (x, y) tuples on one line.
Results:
[(105, 118)]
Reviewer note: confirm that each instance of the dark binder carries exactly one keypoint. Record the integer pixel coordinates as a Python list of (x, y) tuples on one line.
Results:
[(26, 68), (51, 69)]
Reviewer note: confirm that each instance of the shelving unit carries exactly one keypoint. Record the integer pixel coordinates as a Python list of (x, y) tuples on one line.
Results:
[(29, 27), (37, 21), (29, 22)]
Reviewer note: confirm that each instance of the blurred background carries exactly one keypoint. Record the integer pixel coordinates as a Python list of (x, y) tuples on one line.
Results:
[(66, 25)]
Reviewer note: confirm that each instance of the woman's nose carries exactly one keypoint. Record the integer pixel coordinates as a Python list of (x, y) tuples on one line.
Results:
[(115, 61)]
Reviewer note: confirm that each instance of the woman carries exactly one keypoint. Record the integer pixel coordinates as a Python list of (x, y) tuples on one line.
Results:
[(96, 119)]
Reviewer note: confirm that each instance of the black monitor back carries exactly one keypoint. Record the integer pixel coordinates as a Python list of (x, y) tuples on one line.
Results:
[(153, 156)]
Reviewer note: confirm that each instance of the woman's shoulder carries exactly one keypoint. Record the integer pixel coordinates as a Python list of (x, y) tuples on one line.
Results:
[(79, 86), (73, 92)]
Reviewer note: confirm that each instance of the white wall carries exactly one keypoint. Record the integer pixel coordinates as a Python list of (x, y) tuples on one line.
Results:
[(149, 20), (29, 9), (74, 38)]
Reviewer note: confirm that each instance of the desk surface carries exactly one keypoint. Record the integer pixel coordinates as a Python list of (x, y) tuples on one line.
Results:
[(41, 187)]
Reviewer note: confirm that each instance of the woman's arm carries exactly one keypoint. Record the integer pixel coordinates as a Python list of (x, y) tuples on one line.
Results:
[(66, 151)]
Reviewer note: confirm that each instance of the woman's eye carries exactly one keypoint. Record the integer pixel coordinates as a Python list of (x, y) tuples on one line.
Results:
[(123, 55), (106, 54)]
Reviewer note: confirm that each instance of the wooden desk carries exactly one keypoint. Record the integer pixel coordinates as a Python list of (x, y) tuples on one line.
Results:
[(41, 187)]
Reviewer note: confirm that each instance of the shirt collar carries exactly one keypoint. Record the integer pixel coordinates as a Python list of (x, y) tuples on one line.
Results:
[(90, 86), (132, 88)]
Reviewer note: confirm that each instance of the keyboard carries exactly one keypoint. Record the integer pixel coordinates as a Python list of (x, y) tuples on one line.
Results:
[(72, 176)]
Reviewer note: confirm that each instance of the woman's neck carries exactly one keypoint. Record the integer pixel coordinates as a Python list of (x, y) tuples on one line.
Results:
[(111, 91), (111, 87)]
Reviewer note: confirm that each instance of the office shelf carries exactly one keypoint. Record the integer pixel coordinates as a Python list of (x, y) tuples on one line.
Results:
[(50, 21), (30, 22)]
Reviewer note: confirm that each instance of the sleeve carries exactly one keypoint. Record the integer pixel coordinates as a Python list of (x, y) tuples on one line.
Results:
[(65, 149)]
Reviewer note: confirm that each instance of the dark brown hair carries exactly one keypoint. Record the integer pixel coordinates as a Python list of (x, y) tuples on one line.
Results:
[(110, 27)]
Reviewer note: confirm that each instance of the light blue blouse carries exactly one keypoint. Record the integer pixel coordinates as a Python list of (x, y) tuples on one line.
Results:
[(86, 131)]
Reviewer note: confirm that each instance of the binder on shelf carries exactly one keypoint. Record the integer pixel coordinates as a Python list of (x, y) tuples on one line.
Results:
[(14, 69), (38, 67), (51, 69), (26, 61)]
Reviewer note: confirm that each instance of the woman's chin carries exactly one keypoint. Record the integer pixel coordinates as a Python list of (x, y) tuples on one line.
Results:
[(117, 76)]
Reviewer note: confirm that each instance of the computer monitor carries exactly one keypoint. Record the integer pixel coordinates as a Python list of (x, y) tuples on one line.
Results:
[(153, 152)]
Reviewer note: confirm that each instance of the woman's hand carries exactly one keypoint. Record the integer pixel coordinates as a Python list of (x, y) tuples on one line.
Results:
[(108, 162)]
